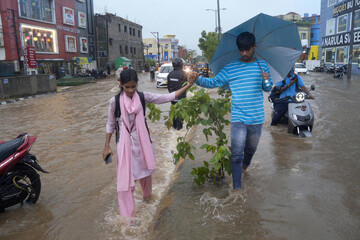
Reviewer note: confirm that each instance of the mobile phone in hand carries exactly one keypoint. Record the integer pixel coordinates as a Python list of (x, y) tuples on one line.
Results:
[(108, 159)]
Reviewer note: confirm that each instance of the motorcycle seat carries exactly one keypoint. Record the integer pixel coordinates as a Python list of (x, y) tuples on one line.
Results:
[(9, 147)]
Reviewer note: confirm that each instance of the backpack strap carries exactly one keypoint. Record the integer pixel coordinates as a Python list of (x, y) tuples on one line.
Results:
[(117, 113)]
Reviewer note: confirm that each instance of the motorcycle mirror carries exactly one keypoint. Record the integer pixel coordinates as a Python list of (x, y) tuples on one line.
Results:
[(312, 87)]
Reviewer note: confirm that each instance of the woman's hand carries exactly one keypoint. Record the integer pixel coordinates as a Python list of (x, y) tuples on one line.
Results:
[(106, 151)]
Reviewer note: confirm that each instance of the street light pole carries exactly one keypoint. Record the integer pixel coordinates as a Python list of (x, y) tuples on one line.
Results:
[(214, 10), (158, 45), (217, 27), (218, 10)]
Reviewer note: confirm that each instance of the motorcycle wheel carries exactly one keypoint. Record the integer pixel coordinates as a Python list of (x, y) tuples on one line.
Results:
[(28, 179)]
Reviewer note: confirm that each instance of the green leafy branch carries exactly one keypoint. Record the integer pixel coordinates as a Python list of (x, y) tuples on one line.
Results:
[(211, 114)]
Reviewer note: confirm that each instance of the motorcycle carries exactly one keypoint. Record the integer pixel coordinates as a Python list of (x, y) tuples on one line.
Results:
[(340, 71), (331, 69), (152, 75), (19, 181), (299, 117)]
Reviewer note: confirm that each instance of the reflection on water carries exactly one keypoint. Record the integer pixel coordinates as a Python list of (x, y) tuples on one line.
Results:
[(78, 198), (295, 188)]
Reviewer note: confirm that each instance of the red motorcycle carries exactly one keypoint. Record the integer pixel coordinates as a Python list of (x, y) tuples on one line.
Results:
[(19, 181)]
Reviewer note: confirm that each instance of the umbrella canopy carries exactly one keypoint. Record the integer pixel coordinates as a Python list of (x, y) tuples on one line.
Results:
[(277, 42)]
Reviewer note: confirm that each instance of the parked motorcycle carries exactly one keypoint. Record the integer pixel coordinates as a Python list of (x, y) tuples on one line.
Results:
[(299, 117), (331, 69), (340, 71), (19, 181)]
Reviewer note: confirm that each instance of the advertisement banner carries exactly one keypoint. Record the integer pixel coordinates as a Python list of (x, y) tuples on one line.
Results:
[(84, 45), (166, 56), (29, 57), (70, 43), (68, 16), (81, 19), (346, 49)]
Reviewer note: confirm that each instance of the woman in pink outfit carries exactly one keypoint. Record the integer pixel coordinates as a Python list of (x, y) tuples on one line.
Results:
[(135, 154)]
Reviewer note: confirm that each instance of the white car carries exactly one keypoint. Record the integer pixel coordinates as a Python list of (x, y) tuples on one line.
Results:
[(161, 76), (301, 69)]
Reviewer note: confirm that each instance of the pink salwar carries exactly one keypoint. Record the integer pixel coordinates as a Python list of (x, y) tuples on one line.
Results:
[(135, 156), (126, 198)]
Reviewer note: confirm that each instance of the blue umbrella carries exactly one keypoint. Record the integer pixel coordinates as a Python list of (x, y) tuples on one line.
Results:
[(277, 42)]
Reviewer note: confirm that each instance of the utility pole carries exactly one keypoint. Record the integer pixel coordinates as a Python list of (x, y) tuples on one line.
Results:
[(158, 45), (349, 70), (218, 11)]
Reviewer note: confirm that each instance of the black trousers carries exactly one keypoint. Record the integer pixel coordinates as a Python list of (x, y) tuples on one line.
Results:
[(177, 122), (279, 111)]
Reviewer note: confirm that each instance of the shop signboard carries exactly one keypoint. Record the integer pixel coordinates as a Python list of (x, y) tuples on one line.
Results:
[(29, 57)]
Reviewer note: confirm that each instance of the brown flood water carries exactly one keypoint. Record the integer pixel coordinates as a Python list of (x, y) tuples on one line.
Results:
[(295, 188)]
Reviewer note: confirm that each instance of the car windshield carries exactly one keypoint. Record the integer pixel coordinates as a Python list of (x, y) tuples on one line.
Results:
[(166, 69), (299, 65)]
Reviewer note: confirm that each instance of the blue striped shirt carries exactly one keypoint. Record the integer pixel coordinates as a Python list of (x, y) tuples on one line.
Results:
[(246, 86)]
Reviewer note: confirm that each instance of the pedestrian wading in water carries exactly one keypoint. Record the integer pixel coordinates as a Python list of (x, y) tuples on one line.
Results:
[(135, 156)]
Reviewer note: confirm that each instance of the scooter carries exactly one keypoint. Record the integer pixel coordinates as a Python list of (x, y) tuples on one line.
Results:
[(299, 117), (340, 71), (19, 181), (152, 75)]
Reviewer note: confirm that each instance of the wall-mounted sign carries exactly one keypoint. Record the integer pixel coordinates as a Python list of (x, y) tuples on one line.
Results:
[(345, 7), (67, 29), (70, 43), (31, 58), (342, 8), (336, 40), (81, 19), (68, 16), (84, 45)]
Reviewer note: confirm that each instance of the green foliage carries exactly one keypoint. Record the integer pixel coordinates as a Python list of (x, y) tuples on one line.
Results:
[(211, 113), (208, 44), (154, 113)]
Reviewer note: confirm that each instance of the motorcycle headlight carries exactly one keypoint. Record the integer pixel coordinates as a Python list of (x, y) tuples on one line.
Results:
[(299, 97), (294, 116)]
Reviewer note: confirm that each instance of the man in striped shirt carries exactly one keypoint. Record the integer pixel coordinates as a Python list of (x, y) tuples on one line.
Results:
[(245, 78)]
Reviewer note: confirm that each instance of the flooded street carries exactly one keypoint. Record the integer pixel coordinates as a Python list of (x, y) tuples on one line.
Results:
[(295, 188)]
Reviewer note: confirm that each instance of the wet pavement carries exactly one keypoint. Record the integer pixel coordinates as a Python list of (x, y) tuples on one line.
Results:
[(295, 188)]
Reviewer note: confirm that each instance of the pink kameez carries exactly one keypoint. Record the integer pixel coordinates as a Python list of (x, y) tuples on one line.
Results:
[(126, 201)]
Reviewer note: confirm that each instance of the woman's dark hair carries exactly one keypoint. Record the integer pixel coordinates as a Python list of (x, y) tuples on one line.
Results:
[(128, 75), (245, 41)]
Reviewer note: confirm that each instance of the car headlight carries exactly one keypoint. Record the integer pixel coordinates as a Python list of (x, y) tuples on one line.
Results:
[(299, 97)]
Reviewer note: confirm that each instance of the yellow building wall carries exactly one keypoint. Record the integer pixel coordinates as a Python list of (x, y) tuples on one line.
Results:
[(313, 53)]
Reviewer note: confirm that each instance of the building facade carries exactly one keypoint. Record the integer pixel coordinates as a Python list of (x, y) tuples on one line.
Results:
[(118, 37), (168, 48), (335, 33), (59, 32)]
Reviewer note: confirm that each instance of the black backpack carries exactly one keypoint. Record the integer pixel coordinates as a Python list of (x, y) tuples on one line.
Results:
[(117, 112), (275, 91)]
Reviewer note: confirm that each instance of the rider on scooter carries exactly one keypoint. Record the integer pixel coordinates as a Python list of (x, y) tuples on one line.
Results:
[(287, 88), (152, 73)]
